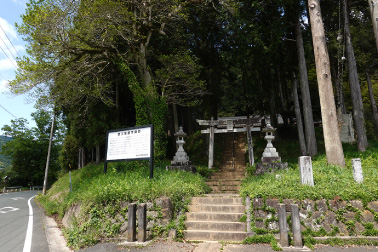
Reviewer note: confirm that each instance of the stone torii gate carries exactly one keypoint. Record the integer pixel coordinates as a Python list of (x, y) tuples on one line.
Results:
[(227, 125)]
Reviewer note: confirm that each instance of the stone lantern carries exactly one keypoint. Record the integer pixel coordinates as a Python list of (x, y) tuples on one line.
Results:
[(181, 159), (270, 154), (270, 160)]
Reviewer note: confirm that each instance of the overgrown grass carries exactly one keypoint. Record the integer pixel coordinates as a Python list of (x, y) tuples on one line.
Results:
[(330, 181), (123, 182)]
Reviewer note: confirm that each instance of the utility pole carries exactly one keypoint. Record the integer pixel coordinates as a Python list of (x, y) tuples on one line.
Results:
[(48, 155)]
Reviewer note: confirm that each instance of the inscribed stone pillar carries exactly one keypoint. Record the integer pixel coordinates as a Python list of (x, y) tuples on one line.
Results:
[(305, 170), (357, 170), (296, 228), (142, 222), (284, 238), (131, 227)]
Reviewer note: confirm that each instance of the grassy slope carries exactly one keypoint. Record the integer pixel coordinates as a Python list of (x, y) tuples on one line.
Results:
[(330, 181)]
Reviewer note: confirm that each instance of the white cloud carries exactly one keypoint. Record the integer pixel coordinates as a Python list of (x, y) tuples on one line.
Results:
[(3, 86), (6, 64), (8, 28)]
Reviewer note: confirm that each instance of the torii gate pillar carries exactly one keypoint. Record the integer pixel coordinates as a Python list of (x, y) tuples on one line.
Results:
[(211, 144)]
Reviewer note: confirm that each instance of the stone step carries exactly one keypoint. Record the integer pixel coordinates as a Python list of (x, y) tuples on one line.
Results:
[(207, 216), (226, 174), (216, 225), (222, 188), (216, 200), (225, 177), (223, 182), (217, 208), (209, 235)]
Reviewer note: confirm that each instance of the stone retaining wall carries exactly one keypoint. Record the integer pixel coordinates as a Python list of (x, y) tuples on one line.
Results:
[(326, 217), (159, 213)]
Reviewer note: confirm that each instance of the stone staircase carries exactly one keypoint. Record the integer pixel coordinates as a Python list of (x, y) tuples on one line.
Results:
[(233, 168), (215, 217)]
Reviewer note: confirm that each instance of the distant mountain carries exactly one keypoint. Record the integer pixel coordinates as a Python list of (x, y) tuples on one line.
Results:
[(5, 162)]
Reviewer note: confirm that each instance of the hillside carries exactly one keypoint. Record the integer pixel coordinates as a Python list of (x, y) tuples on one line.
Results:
[(5, 162)]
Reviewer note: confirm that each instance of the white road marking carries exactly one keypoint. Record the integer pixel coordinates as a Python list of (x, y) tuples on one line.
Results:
[(17, 198), (8, 209), (29, 231)]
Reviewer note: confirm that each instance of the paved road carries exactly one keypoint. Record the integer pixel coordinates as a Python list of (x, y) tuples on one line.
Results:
[(20, 228)]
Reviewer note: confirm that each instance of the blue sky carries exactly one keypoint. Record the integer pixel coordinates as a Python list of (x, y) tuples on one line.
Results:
[(20, 105)]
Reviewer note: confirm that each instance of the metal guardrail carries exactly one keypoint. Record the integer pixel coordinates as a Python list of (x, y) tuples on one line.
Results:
[(15, 188)]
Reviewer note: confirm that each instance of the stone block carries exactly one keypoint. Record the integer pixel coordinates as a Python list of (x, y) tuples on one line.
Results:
[(349, 215), (150, 205), (337, 204), (359, 228), (321, 205), (260, 214), (303, 214), (152, 214), (273, 203), (288, 203), (308, 205), (273, 225), (330, 217), (373, 205), (316, 215), (259, 224), (163, 202), (123, 227), (258, 203), (367, 216), (342, 229), (358, 204), (327, 227)]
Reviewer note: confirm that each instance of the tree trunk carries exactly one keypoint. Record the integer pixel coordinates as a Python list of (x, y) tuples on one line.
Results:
[(302, 142), (332, 141), (82, 157), (355, 90), (372, 100), (98, 156), (374, 18), (282, 100), (311, 146), (144, 72), (175, 117), (272, 105)]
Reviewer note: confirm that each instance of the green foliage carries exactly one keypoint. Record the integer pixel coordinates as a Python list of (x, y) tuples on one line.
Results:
[(150, 109), (263, 239), (5, 162), (28, 150)]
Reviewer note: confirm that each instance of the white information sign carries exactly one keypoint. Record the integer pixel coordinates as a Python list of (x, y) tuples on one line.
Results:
[(133, 143)]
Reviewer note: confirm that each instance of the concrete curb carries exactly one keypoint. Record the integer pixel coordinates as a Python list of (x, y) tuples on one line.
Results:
[(54, 235)]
